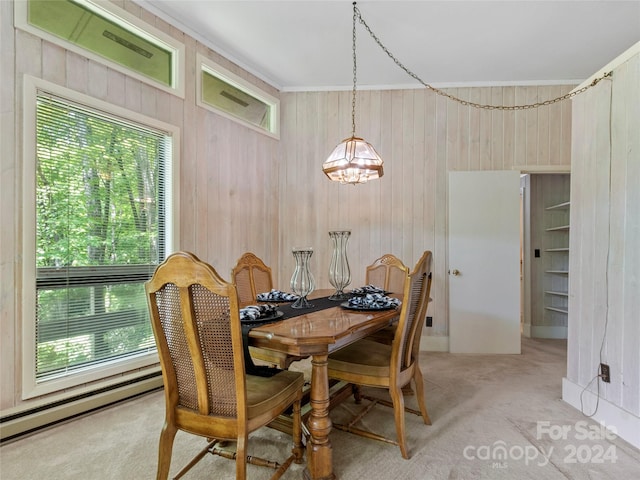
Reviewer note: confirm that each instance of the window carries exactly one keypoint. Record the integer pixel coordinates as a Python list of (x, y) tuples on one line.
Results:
[(109, 35), (103, 222), (227, 94)]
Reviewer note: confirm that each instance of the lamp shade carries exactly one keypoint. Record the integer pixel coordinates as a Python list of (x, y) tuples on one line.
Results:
[(353, 161)]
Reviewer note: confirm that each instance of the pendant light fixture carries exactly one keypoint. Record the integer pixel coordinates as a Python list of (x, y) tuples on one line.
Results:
[(354, 160)]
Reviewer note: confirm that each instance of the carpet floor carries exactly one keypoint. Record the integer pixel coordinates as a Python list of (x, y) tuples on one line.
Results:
[(494, 417)]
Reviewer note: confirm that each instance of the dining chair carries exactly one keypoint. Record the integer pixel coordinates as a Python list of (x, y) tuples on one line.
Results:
[(196, 324), (389, 273), (251, 277), (374, 364)]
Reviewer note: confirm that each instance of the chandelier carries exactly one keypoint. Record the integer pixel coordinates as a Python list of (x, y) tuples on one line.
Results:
[(354, 160)]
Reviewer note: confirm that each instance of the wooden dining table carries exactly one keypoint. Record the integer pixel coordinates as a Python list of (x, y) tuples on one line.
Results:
[(317, 334)]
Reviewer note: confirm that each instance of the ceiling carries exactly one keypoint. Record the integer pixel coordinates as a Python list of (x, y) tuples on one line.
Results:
[(306, 45)]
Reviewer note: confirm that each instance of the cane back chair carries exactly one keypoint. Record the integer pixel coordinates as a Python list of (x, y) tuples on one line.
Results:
[(251, 277), (389, 273), (196, 324), (374, 364)]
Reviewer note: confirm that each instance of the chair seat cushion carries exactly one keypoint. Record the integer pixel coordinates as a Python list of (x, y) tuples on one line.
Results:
[(265, 393), (364, 357), (385, 335)]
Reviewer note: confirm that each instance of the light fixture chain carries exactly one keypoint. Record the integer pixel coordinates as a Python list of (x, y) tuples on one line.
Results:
[(356, 12), (355, 77)]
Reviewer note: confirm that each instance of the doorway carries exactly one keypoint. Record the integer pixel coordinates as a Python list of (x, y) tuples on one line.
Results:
[(545, 254)]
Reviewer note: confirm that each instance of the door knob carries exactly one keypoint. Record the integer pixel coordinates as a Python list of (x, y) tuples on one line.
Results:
[(455, 272)]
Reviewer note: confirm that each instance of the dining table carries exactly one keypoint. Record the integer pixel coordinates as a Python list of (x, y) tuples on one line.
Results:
[(316, 333)]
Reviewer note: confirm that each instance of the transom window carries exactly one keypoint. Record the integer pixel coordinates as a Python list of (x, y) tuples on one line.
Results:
[(108, 34), (227, 94)]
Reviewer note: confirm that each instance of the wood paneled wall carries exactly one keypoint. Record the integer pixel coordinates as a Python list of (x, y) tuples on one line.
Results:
[(421, 137), (604, 286), (241, 190), (228, 173)]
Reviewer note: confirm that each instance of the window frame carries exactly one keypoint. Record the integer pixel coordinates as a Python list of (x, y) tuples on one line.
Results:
[(127, 21), (31, 87), (205, 65)]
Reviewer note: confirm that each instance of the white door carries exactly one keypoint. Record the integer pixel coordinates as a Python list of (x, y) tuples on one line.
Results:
[(484, 262)]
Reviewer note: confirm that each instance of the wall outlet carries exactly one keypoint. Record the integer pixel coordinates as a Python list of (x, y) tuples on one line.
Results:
[(429, 322), (605, 375)]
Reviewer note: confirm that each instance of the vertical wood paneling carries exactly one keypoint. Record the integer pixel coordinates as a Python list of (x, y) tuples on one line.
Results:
[(9, 192), (627, 100), (421, 137), (520, 129), (485, 132), (77, 72), (543, 136), (115, 88), (497, 131), (98, 87), (132, 94), (531, 127), (54, 63), (189, 170), (477, 131), (441, 260), (229, 174), (565, 127), (604, 296), (467, 129), (418, 180), (241, 190), (555, 128), (620, 96), (409, 170), (509, 128)]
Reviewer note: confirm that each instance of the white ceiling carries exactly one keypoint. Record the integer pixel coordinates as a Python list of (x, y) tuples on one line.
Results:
[(306, 45)]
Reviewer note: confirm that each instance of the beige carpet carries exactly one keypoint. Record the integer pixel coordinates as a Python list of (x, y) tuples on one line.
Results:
[(481, 407)]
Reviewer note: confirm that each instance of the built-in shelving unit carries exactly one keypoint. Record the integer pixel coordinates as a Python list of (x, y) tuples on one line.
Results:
[(557, 263)]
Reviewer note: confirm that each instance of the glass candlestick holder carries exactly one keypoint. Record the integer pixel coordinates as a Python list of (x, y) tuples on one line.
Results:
[(339, 272), (302, 282)]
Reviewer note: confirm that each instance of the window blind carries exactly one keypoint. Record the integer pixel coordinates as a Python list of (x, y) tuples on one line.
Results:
[(101, 216)]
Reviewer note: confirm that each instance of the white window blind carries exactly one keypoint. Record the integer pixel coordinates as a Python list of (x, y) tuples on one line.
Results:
[(101, 229)]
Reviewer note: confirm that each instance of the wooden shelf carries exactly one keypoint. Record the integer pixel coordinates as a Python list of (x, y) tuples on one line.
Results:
[(557, 309), (559, 206), (557, 229), (560, 294)]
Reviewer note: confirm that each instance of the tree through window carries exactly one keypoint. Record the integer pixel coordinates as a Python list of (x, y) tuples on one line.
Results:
[(101, 220)]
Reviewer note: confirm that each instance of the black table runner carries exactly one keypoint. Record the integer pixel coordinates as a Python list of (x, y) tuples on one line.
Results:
[(261, 370)]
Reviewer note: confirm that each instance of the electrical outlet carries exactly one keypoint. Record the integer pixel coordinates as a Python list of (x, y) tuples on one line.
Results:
[(429, 322), (604, 373)]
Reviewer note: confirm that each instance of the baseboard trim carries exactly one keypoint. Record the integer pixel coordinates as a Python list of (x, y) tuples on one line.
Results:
[(627, 425), (434, 344), (19, 425), (548, 331)]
